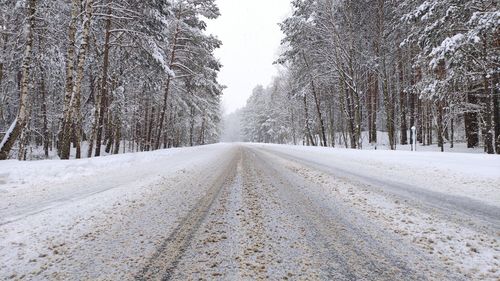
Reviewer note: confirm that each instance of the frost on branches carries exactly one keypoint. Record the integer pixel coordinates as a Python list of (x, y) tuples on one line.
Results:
[(104, 77), (359, 72)]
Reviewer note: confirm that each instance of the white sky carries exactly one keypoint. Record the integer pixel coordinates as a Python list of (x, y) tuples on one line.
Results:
[(251, 38)]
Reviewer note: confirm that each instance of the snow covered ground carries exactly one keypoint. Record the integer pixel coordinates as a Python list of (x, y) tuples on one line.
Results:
[(463, 174), (459, 145), (37, 153), (227, 211)]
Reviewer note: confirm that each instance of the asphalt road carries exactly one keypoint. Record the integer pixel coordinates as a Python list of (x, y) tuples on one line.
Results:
[(252, 212), (271, 220)]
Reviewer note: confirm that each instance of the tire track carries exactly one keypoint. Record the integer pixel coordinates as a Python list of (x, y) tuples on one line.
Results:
[(451, 207), (215, 246), (353, 248), (163, 263), (249, 235), (255, 257)]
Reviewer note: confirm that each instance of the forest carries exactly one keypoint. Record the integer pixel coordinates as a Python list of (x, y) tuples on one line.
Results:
[(352, 70), (83, 78)]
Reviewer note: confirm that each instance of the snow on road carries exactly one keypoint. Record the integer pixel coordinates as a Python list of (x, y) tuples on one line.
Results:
[(466, 241), (476, 176), (104, 218), (251, 211)]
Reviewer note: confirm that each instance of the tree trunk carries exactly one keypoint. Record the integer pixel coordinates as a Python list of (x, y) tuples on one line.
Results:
[(109, 136), (22, 115), (441, 75), (496, 110), (343, 110), (104, 86), (357, 114), (412, 98), (331, 119), (320, 115), (496, 98), (488, 100), (292, 122), (117, 136), (77, 88), (93, 133), (191, 128), (487, 115), (201, 139), (402, 104), (46, 137), (420, 121), (471, 123), (149, 145), (429, 116), (381, 53), (2, 62), (389, 109), (23, 144), (350, 117), (372, 108), (65, 134), (452, 132), (440, 127), (317, 103), (413, 103), (307, 125)]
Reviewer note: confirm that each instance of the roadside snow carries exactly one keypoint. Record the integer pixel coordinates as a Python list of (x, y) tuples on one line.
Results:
[(25, 174), (469, 175)]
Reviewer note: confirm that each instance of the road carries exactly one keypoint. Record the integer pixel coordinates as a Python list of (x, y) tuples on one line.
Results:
[(249, 212)]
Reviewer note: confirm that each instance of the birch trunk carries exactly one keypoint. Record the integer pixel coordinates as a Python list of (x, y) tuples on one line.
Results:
[(65, 133), (77, 89)]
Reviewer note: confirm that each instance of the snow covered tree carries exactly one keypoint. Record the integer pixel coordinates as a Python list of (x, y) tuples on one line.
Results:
[(358, 68), (106, 76)]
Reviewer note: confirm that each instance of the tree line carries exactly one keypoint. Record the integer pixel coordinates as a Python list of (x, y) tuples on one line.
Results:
[(353, 69), (92, 75)]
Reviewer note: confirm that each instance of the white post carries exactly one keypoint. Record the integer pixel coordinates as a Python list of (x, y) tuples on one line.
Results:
[(414, 140)]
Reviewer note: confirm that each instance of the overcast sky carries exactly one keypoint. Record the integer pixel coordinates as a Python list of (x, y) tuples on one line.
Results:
[(251, 38)]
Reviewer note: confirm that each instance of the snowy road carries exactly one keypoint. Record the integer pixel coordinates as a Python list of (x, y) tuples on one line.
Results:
[(253, 212)]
